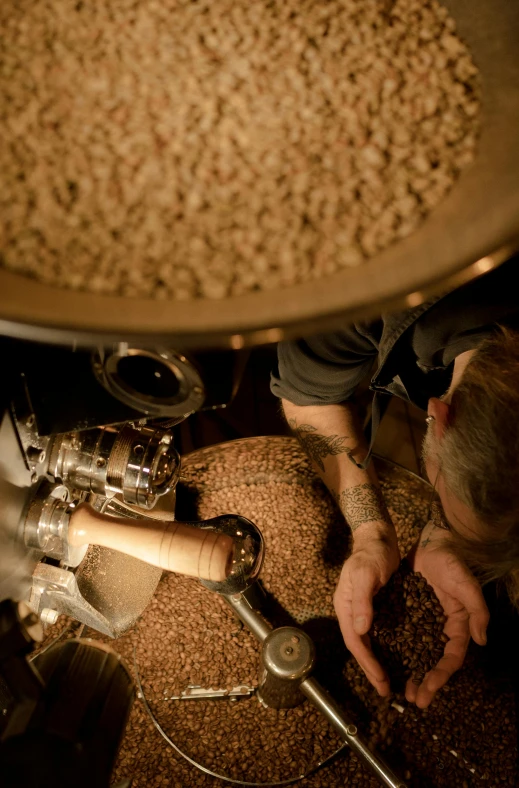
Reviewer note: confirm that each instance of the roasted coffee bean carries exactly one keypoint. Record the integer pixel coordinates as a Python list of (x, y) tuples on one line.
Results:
[(404, 602), (187, 635)]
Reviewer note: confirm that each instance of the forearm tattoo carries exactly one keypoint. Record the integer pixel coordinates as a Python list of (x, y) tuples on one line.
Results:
[(363, 504), (318, 446)]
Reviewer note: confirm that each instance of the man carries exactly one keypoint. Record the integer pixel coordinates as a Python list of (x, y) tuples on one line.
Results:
[(456, 356)]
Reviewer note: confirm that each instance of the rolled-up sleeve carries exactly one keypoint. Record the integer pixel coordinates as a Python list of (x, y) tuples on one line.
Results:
[(325, 369)]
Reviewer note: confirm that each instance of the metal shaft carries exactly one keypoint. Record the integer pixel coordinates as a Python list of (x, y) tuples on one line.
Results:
[(348, 731), (250, 617), (320, 699)]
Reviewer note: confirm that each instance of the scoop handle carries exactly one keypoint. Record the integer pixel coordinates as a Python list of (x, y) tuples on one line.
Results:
[(170, 545)]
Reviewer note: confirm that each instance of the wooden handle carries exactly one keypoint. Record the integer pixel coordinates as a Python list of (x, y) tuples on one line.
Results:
[(174, 546)]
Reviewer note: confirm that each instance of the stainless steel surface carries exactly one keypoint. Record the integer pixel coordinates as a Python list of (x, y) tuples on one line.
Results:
[(163, 510), (139, 463), (56, 589), (250, 617), (474, 229), (195, 692), (287, 658), (348, 731), (158, 382), (34, 447), (108, 590), (118, 586), (46, 527), (247, 556)]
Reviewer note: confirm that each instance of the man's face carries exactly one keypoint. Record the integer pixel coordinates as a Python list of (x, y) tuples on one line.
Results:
[(459, 517)]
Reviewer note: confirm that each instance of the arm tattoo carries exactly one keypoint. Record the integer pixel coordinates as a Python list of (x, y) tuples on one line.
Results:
[(318, 446), (363, 504)]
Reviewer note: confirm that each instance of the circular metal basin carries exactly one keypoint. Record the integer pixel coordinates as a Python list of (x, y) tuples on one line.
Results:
[(473, 230)]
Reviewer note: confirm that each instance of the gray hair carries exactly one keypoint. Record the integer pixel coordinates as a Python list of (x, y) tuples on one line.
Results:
[(479, 457)]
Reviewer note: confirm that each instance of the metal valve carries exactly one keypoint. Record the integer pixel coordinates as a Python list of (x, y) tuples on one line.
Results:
[(138, 463)]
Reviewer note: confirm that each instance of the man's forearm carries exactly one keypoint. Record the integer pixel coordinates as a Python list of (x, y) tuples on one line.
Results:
[(330, 435)]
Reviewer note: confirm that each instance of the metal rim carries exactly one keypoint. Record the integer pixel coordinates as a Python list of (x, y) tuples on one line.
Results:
[(188, 398)]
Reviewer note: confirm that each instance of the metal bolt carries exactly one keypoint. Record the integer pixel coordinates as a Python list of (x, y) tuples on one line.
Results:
[(30, 421), (100, 462), (351, 730), (294, 639), (289, 650), (35, 455), (138, 448), (34, 478), (49, 616)]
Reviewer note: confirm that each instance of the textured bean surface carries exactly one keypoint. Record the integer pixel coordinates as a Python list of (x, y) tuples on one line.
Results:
[(187, 635), (407, 632), (208, 148)]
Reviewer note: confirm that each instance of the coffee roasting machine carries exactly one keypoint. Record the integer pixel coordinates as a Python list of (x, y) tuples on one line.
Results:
[(90, 390)]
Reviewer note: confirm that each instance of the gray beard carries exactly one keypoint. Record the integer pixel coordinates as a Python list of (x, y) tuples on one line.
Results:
[(430, 447)]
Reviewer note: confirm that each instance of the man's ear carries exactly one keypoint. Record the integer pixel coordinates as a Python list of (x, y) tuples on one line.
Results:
[(439, 410)]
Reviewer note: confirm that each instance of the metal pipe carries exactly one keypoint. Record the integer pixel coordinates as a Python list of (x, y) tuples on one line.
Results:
[(348, 731), (250, 617)]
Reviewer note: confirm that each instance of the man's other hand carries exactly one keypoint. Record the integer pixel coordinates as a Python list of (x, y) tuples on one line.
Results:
[(463, 604), (369, 567)]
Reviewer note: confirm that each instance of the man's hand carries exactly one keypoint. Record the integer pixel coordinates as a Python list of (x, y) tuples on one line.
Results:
[(464, 606), (369, 567)]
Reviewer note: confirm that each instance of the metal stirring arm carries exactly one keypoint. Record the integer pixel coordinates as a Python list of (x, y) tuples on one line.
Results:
[(318, 696), (288, 654)]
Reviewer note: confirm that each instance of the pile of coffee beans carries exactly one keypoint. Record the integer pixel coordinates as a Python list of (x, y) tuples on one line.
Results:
[(180, 149), (407, 633), (189, 636)]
